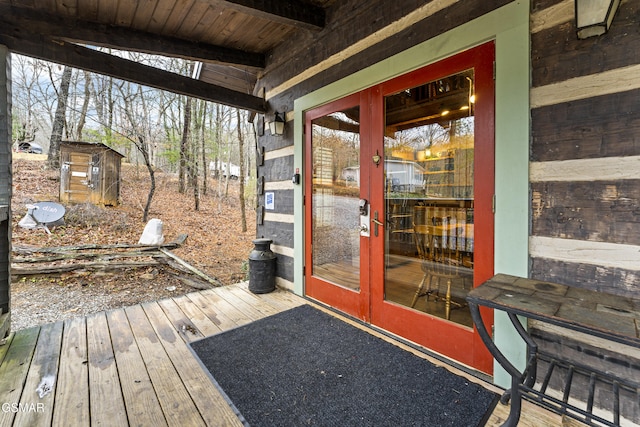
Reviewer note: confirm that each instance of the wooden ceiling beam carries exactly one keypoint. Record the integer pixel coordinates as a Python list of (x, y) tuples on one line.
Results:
[(102, 63), (14, 19), (299, 14)]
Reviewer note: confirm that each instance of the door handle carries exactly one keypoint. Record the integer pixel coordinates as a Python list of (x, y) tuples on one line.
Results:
[(377, 223)]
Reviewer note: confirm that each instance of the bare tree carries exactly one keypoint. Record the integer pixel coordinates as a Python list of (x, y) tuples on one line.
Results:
[(242, 173), (85, 105), (140, 134), (184, 156), (53, 159), (203, 145)]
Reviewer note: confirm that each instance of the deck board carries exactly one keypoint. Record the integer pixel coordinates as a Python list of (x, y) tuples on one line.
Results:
[(203, 324), (212, 406), (217, 316), (180, 321), (105, 396), (14, 369), (133, 366), (72, 385), (177, 405), (143, 407), (43, 369)]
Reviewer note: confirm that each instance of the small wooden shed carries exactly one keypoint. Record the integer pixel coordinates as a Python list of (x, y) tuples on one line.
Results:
[(89, 173)]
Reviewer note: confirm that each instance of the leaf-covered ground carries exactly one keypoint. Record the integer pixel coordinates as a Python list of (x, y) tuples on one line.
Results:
[(215, 245)]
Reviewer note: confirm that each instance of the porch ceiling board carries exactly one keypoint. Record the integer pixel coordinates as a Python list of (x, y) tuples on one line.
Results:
[(14, 19), (231, 37), (102, 63)]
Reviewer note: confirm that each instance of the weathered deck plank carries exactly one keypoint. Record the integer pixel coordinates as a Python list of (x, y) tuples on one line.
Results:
[(223, 306), (143, 407), (212, 406), (72, 386), (250, 299), (178, 407), (279, 300), (105, 396), (41, 379), (183, 324), (14, 369), (248, 310), (199, 319), (217, 316)]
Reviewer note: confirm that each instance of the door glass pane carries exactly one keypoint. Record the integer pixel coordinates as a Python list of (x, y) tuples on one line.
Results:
[(429, 143), (336, 193)]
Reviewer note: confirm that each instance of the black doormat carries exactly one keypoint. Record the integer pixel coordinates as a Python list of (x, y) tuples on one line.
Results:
[(304, 367)]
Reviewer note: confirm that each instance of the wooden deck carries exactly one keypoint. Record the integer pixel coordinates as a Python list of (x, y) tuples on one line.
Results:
[(132, 366)]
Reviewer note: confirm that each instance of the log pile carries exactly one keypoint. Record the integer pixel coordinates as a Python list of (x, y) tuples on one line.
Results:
[(27, 261)]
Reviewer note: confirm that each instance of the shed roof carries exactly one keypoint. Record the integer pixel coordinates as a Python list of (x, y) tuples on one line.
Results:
[(85, 144)]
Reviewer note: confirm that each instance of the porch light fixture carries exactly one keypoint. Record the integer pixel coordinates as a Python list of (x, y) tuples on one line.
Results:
[(276, 126), (593, 17)]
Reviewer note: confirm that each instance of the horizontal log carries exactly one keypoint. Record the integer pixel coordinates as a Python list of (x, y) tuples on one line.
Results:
[(617, 281), (92, 266), (601, 211), (189, 268), (176, 243), (601, 254), (558, 55), (604, 126)]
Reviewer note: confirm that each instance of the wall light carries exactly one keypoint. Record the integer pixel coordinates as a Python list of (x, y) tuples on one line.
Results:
[(593, 17), (276, 126)]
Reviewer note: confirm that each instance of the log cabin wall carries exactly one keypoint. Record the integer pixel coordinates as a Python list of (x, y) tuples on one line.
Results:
[(585, 193), (358, 34), (585, 149)]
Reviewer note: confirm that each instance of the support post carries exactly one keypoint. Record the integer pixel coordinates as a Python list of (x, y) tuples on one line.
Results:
[(5, 188)]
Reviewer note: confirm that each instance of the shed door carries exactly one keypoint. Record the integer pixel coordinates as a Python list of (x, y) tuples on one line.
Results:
[(79, 184)]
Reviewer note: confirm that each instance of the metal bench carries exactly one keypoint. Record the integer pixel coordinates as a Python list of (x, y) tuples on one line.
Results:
[(610, 317)]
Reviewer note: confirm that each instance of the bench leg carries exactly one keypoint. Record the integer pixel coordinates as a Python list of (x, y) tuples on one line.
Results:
[(516, 376)]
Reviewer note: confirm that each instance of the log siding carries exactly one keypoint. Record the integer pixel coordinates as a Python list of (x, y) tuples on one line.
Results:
[(584, 150)]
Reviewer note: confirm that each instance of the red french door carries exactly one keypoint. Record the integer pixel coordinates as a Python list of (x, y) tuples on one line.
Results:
[(398, 202), (337, 254)]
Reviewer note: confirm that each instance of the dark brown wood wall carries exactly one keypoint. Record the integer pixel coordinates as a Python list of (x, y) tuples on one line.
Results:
[(348, 22), (585, 120), (6, 189)]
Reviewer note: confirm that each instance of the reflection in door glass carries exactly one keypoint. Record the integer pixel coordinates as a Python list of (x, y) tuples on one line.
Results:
[(336, 193), (429, 195)]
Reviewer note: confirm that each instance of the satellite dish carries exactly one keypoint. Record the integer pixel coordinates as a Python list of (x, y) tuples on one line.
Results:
[(47, 212)]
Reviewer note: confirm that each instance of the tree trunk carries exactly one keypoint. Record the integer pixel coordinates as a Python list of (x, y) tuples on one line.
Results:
[(53, 159), (204, 152), (85, 104), (183, 147), (243, 215), (219, 156), (152, 189)]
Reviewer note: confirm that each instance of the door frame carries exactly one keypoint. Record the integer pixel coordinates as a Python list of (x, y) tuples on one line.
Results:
[(369, 304), (509, 27), (462, 343), (354, 303)]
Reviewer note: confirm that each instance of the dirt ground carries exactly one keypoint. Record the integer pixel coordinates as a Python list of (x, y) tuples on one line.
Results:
[(215, 245)]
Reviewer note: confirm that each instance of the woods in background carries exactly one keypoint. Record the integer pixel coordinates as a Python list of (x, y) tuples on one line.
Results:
[(193, 138)]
